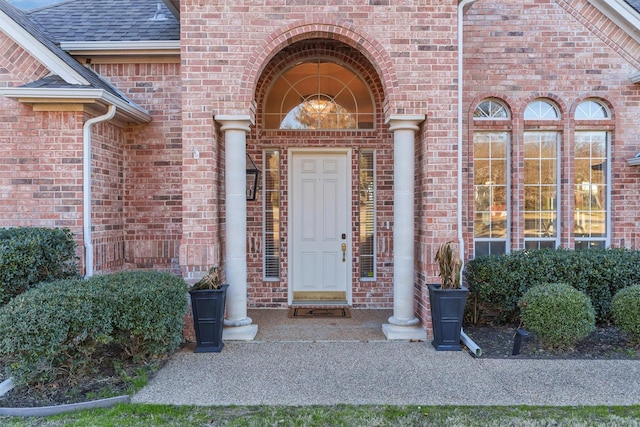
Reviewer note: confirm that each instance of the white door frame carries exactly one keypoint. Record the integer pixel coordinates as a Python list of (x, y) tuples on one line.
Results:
[(349, 203)]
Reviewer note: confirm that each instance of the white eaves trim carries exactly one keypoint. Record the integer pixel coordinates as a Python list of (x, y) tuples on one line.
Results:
[(123, 47), (32, 45), (60, 95), (622, 14), (635, 160), (173, 6)]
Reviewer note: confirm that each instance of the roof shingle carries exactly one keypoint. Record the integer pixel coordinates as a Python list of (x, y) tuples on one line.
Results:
[(107, 20)]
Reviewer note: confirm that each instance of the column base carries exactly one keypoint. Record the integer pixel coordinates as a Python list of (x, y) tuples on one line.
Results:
[(404, 333), (239, 333)]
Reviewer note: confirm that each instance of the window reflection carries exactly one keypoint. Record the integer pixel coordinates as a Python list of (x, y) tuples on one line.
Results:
[(318, 95)]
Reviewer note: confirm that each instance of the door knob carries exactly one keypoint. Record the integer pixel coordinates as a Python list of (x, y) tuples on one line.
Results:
[(344, 251)]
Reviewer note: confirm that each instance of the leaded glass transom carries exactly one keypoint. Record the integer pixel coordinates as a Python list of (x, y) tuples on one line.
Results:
[(319, 95)]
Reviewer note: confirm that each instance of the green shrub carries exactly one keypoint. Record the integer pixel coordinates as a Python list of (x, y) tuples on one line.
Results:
[(559, 314), (52, 330), (500, 281), (148, 310), (58, 328), (625, 308), (30, 255)]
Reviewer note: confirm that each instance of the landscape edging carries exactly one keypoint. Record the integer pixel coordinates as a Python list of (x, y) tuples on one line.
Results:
[(60, 409)]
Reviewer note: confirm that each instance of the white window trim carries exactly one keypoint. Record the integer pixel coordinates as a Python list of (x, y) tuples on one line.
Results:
[(375, 220), (559, 222), (264, 216)]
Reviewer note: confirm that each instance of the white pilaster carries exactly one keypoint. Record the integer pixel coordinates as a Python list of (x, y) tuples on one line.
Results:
[(238, 326), (403, 325)]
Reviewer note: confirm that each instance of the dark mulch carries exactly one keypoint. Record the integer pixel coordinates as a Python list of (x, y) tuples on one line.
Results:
[(109, 376), (606, 342)]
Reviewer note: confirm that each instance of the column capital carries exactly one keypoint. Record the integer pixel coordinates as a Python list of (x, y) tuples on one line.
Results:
[(404, 121), (234, 122)]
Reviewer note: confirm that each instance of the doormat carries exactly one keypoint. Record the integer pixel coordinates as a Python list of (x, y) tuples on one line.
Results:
[(326, 313)]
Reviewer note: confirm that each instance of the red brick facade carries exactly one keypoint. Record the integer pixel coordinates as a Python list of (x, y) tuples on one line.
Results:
[(155, 205)]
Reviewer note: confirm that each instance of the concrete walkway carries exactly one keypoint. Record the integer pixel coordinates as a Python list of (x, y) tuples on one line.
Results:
[(331, 361)]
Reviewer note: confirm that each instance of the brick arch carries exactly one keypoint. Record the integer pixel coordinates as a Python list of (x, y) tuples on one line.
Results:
[(339, 31)]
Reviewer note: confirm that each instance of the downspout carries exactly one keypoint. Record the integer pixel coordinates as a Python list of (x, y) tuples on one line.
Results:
[(86, 187), (461, 7), (472, 346)]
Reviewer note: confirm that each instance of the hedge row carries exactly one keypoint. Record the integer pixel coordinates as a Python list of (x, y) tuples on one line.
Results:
[(58, 328), (31, 255), (499, 281)]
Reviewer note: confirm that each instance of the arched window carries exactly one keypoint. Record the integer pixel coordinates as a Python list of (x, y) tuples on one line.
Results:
[(318, 95), (541, 109), (491, 109), (592, 110), (591, 176), (491, 152), (541, 178)]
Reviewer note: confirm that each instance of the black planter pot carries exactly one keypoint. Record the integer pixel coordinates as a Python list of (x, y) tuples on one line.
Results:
[(447, 311), (207, 306)]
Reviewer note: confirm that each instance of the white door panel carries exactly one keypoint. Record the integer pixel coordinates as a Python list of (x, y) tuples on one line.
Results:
[(320, 225)]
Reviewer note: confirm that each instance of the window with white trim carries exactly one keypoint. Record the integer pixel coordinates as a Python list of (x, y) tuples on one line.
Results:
[(367, 198), (271, 192), (491, 181), (591, 177), (541, 178)]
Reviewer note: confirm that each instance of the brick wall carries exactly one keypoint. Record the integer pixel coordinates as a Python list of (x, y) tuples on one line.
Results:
[(41, 162), (150, 158), (108, 172), (157, 206), (516, 55), (409, 52)]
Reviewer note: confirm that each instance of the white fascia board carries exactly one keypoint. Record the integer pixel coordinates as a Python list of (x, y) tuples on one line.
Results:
[(622, 14), (173, 6), (32, 45), (122, 47), (634, 161), (40, 95)]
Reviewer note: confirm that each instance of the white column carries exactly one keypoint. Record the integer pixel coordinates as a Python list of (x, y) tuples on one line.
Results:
[(403, 325), (238, 326)]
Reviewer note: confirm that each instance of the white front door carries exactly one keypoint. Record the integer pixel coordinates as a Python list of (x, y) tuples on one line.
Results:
[(319, 251)]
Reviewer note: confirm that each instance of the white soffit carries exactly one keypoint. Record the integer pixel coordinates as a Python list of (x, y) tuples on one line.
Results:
[(122, 47), (32, 45), (66, 95), (622, 14)]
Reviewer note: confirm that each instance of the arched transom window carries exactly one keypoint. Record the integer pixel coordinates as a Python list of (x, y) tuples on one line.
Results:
[(491, 109), (318, 95)]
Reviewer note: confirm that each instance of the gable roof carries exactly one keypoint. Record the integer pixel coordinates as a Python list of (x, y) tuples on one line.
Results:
[(107, 20), (72, 79)]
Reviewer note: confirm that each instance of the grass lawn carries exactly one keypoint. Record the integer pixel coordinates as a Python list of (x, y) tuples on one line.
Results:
[(341, 415)]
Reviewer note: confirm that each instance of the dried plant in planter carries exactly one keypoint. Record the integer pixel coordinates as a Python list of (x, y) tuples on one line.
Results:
[(450, 265), (210, 281)]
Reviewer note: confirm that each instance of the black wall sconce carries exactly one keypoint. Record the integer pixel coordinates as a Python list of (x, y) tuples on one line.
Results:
[(253, 174)]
